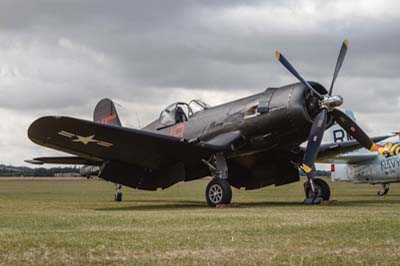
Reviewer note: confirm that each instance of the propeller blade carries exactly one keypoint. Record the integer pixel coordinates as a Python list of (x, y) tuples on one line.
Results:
[(354, 130), (292, 70), (314, 141), (339, 63)]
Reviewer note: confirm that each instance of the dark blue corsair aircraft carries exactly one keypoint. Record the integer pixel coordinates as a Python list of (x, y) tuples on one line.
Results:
[(248, 143)]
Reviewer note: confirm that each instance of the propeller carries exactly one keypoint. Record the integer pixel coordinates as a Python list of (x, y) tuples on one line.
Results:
[(389, 149), (327, 104), (339, 63), (314, 140), (292, 70)]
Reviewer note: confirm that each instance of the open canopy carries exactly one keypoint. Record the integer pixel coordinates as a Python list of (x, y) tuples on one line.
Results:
[(180, 112)]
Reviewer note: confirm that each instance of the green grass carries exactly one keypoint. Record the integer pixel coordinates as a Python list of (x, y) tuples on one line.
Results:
[(78, 223)]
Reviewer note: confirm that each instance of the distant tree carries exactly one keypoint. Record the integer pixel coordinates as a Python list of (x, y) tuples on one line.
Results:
[(9, 170)]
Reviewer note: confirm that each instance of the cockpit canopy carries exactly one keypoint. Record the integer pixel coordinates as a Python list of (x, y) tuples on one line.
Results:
[(180, 112)]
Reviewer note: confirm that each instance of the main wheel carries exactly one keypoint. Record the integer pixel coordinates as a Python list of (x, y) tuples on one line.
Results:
[(118, 196), (384, 190), (322, 189), (218, 192)]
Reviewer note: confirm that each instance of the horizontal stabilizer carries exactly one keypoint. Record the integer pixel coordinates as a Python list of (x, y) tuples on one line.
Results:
[(64, 160)]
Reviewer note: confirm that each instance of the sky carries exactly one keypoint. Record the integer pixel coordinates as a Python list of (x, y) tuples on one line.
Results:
[(59, 57)]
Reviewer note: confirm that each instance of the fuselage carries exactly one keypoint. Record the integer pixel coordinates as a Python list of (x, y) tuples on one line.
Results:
[(276, 117), (271, 125), (379, 170)]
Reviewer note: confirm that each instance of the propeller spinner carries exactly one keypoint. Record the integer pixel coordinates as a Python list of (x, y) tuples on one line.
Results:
[(327, 104)]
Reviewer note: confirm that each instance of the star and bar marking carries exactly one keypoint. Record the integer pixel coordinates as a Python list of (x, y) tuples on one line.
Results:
[(84, 140)]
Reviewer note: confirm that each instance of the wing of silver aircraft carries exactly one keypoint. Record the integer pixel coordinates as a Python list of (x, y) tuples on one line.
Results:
[(336, 152)]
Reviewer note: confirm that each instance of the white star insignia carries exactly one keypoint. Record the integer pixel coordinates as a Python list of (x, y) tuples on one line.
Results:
[(85, 140)]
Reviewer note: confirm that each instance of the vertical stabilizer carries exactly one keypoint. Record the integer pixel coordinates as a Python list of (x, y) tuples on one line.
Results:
[(339, 172), (338, 134), (106, 113)]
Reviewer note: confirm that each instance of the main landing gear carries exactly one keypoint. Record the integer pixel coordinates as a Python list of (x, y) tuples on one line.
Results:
[(219, 190), (384, 190), (118, 192), (316, 190), (322, 190)]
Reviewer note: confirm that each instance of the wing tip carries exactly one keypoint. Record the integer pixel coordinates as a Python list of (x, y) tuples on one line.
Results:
[(36, 126), (34, 161)]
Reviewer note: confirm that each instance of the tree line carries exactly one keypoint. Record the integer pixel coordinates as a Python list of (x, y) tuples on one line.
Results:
[(9, 170)]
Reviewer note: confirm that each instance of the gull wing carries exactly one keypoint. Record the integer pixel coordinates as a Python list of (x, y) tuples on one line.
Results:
[(101, 142)]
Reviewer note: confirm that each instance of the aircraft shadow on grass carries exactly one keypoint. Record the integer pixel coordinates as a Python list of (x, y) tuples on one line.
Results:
[(176, 205), (157, 205), (151, 205)]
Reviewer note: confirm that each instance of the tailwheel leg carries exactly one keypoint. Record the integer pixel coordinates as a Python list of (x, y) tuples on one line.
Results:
[(316, 190), (384, 190), (118, 192)]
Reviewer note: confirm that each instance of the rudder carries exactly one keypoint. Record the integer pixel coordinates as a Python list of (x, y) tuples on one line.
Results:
[(338, 134), (106, 113)]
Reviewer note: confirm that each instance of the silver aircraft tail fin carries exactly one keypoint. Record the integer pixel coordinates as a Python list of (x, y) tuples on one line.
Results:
[(338, 134)]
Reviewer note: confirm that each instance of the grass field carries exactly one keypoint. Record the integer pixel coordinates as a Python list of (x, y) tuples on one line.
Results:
[(78, 223)]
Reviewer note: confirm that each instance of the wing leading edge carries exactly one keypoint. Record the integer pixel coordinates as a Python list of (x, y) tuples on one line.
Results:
[(333, 152)]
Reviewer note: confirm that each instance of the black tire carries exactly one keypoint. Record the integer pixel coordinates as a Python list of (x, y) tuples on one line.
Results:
[(218, 191), (118, 196), (323, 190), (383, 192)]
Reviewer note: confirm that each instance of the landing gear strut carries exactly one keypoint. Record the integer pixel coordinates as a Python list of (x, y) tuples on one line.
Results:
[(118, 192), (219, 190), (384, 190)]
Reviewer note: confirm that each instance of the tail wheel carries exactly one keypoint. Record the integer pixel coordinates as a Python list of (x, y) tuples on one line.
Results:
[(384, 190), (322, 189), (118, 196), (218, 192)]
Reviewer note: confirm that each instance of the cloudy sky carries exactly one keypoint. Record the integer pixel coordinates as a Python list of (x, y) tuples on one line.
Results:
[(61, 57)]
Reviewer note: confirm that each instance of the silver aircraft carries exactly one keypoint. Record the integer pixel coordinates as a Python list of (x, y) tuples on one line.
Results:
[(362, 166)]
